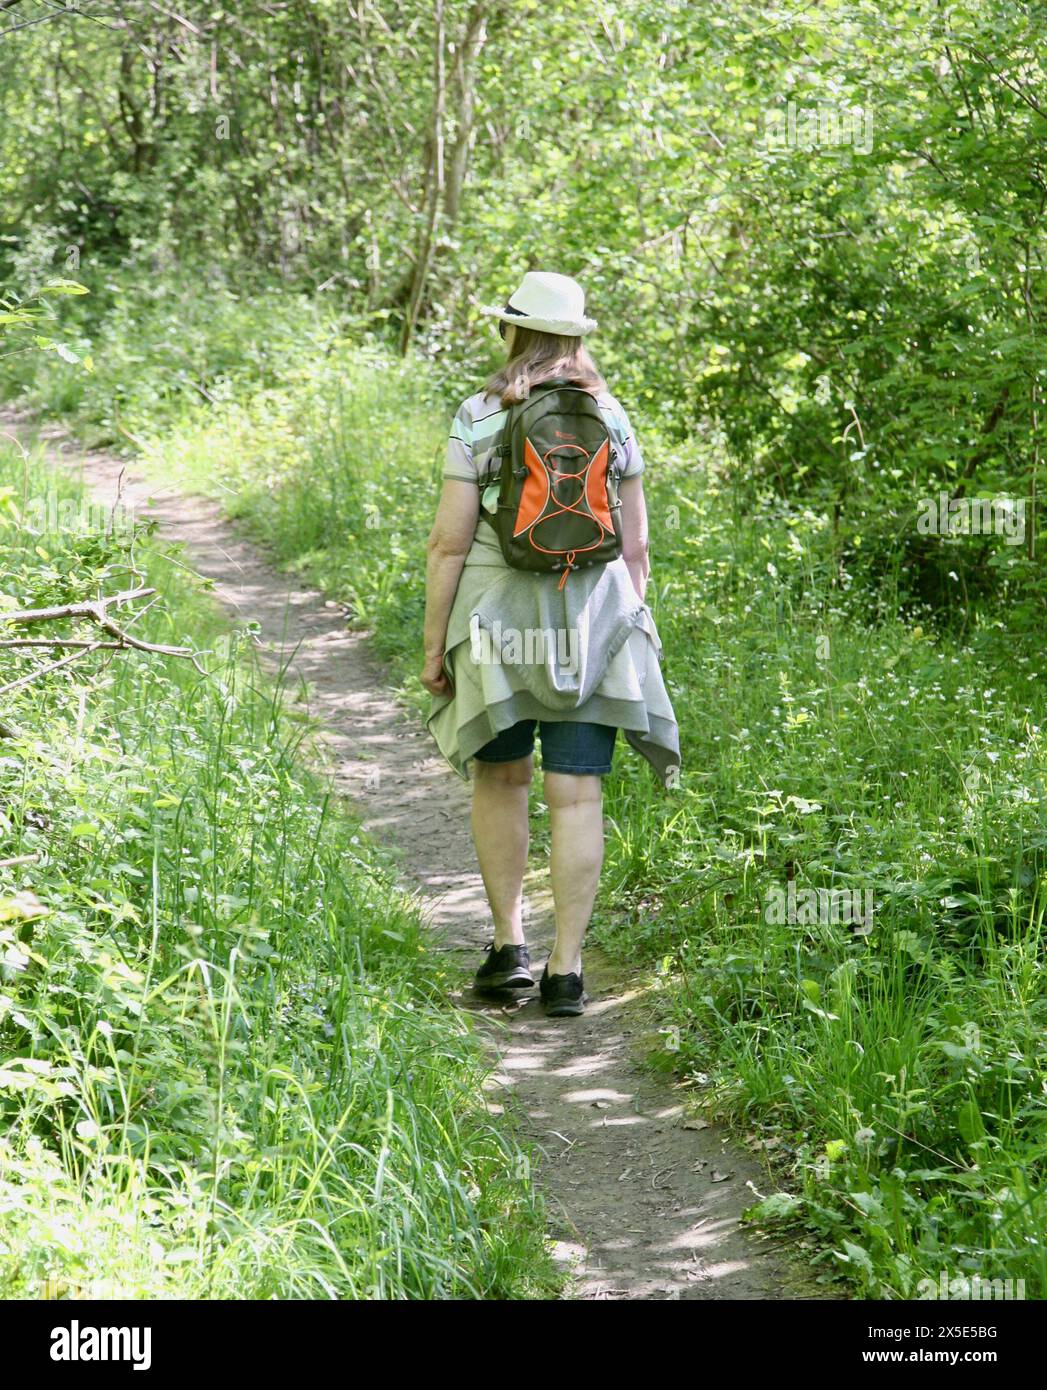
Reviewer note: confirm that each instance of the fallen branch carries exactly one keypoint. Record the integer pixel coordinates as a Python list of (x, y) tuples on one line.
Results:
[(18, 859), (95, 611), (58, 642), (72, 610)]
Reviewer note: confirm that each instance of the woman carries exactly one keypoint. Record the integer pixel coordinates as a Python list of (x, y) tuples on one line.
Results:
[(507, 650)]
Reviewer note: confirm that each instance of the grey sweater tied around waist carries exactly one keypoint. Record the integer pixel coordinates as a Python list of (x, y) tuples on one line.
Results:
[(520, 647)]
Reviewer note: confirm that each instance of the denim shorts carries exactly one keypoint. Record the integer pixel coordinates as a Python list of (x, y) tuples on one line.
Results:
[(567, 745)]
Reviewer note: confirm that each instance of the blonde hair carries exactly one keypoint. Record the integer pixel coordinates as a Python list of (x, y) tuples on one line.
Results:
[(536, 357)]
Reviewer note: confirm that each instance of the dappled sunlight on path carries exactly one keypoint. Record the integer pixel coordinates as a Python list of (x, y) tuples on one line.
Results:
[(640, 1206)]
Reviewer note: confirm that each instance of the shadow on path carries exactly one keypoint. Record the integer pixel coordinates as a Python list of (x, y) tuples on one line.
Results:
[(641, 1207)]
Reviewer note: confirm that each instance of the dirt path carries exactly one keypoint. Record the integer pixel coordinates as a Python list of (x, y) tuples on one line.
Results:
[(639, 1205)]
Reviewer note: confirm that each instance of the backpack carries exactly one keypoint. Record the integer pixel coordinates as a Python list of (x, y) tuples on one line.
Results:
[(558, 507)]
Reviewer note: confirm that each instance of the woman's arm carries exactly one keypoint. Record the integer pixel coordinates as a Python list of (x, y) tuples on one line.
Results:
[(449, 542), (634, 531)]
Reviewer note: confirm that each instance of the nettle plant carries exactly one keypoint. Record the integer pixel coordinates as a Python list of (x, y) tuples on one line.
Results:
[(28, 320)]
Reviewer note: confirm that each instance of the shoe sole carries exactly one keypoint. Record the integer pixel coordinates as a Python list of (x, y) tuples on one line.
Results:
[(505, 979)]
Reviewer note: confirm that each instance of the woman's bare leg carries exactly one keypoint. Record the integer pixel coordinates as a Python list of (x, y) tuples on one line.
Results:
[(500, 833), (576, 815)]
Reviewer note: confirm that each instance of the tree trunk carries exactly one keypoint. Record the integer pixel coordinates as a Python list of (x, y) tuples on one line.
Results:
[(466, 57), (434, 180)]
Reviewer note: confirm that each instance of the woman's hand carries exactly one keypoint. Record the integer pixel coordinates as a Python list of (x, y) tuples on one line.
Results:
[(433, 677)]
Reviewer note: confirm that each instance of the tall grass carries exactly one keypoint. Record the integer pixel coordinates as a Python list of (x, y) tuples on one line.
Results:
[(892, 1069), (833, 739), (226, 1067)]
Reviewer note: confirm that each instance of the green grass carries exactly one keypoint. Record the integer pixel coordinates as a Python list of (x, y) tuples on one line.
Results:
[(226, 1066), (834, 736), (896, 1077)]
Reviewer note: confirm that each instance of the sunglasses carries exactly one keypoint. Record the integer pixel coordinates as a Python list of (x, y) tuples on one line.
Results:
[(502, 325)]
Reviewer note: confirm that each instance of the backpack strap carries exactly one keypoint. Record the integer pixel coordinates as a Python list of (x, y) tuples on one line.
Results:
[(499, 454)]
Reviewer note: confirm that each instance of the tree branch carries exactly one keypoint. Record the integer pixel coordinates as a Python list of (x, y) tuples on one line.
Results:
[(96, 612)]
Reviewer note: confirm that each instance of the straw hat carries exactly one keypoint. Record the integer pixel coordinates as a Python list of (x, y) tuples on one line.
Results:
[(548, 303)]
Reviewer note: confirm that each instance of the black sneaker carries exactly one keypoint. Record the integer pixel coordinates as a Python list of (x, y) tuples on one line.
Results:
[(508, 967), (562, 995)]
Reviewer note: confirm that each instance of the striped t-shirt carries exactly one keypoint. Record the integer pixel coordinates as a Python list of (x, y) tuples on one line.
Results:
[(477, 430)]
